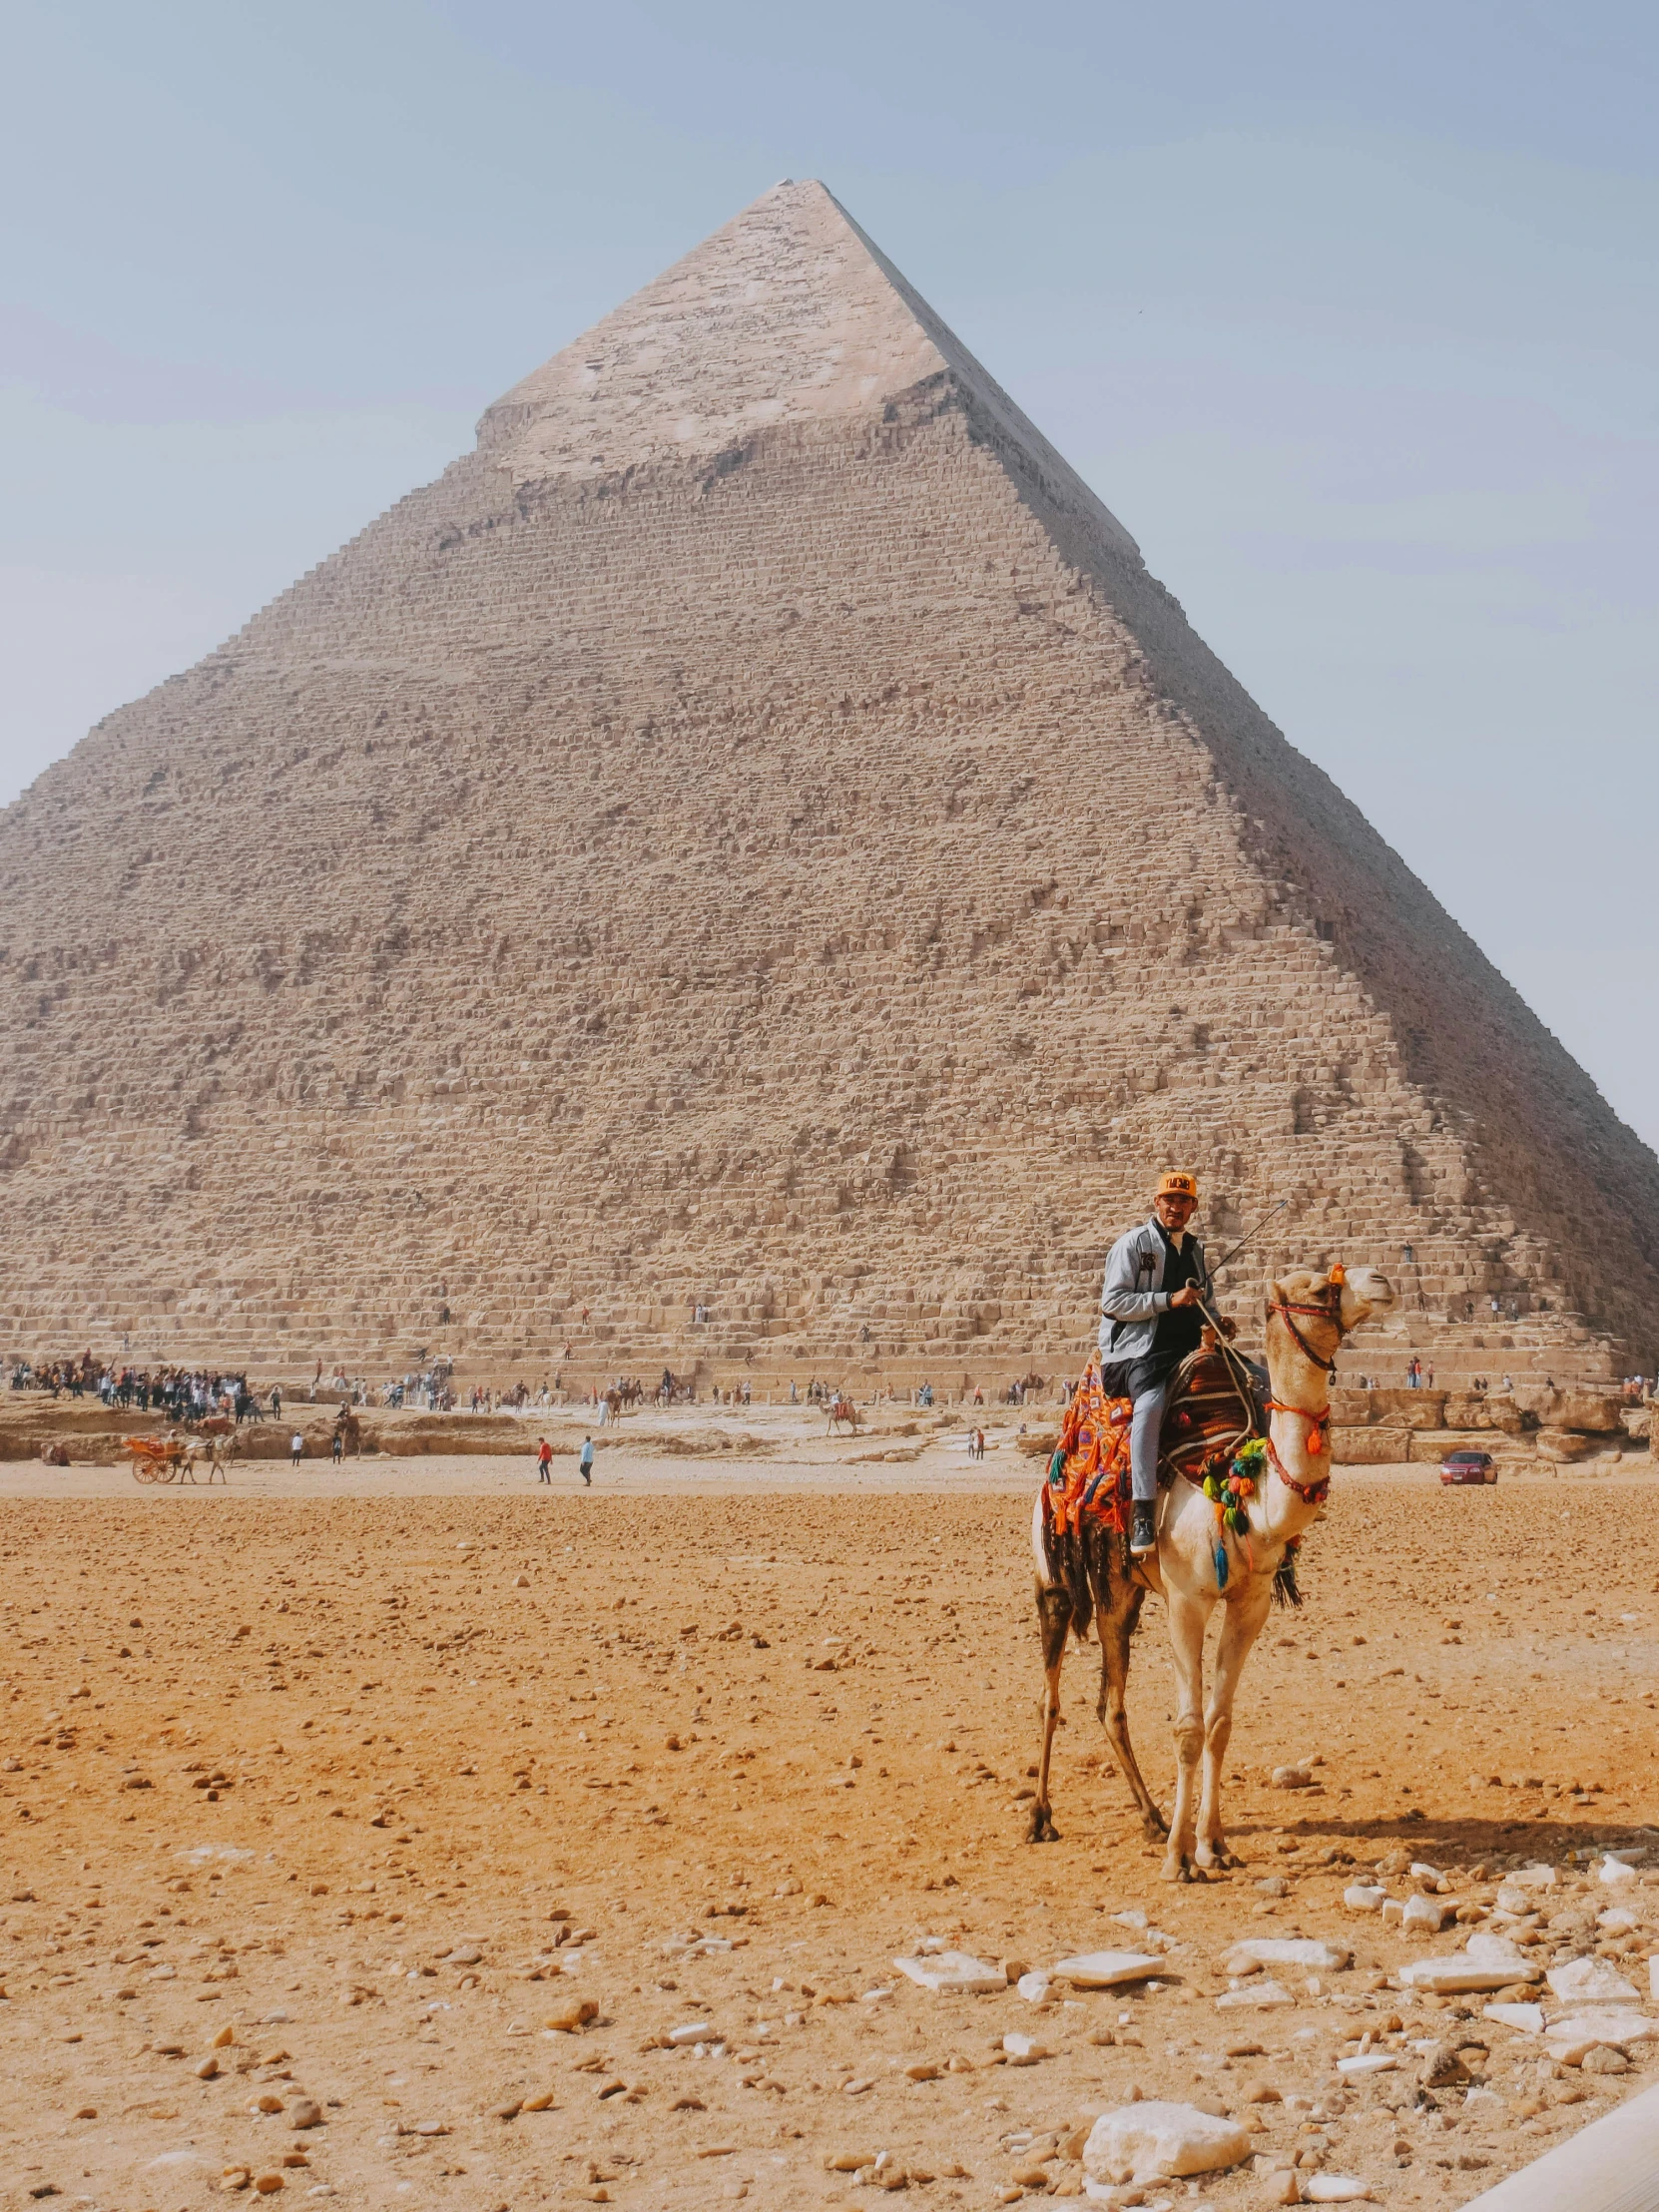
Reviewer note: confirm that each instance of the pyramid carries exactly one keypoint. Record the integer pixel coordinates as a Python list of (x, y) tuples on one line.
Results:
[(751, 841)]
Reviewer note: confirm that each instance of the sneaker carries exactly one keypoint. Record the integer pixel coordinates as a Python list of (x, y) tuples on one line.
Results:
[(1143, 1527)]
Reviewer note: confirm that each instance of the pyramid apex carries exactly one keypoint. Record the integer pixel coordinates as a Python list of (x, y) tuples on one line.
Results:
[(790, 315)]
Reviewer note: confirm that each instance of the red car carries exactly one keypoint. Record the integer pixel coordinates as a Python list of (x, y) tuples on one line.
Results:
[(1468, 1467)]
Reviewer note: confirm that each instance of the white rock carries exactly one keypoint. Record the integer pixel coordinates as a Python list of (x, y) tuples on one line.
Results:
[(1033, 1988), (954, 1973), (1618, 1919), (692, 2031), (1568, 2041), (1528, 2019), (1334, 2189), (1105, 1969), (1023, 2046), (1424, 1916), (1366, 2063), (1424, 1872), (1511, 1900), (1488, 1949), (1365, 1896), (1493, 1967), (1154, 2141), (1283, 1950), (1129, 1917), (1485, 2103), (1292, 1778), (1591, 1982), (1260, 1996), (1538, 1877), (464, 1955), (1614, 1871), (1393, 1911), (1653, 1978)]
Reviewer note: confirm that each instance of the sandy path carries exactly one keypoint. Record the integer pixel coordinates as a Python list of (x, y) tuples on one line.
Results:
[(730, 1745)]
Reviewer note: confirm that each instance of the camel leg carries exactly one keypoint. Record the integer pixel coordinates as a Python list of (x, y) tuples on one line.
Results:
[(1239, 1629), (1054, 1625), (1187, 1618), (1114, 1629)]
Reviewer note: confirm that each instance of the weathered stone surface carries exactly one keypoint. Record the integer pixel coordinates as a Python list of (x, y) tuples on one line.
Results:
[(1154, 2141), (1256, 1951), (1473, 1409), (1591, 1982), (953, 1973), (762, 615), (1370, 1448), (1106, 1969)]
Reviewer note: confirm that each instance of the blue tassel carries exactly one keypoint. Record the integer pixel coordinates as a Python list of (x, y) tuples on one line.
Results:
[(1221, 1566)]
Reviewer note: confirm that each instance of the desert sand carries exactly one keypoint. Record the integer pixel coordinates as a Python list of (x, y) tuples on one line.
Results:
[(334, 1788)]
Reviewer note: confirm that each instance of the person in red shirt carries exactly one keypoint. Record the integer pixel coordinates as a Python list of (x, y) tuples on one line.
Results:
[(544, 1460)]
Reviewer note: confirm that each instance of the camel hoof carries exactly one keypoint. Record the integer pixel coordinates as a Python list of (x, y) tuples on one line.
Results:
[(1154, 1826), (1042, 1830)]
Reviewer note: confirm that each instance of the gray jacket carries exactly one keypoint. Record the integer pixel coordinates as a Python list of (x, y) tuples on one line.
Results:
[(1133, 1295)]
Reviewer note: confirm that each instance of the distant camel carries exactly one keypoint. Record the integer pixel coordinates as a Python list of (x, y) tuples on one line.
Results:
[(844, 1413)]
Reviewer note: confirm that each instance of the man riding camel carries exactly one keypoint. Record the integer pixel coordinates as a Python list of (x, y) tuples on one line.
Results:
[(1150, 1320)]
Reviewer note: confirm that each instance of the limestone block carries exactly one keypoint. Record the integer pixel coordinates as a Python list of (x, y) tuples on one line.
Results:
[(1408, 1408), (1473, 1409), (1370, 1448), (1156, 2141), (1565, 1444)]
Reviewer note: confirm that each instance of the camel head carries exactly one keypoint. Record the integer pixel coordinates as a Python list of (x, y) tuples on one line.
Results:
[(1308, 1316)]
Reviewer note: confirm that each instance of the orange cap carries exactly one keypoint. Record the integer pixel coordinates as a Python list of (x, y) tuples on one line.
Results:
[(1173, 1184)]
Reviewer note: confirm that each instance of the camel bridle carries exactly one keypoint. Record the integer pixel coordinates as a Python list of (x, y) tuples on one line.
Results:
[(1311, 1493)]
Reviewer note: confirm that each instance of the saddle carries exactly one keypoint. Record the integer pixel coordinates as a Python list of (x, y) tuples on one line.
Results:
[(1209, 1413)]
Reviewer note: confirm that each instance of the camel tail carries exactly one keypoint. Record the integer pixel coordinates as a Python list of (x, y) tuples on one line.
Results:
[(1284, 1589)]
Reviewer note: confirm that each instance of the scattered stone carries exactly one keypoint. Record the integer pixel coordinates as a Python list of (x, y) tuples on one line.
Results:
[(269, 2184), (924, 2071), (1606, 2058), (1033, 1988), (206, 2069), (1424, 1916), (1024, 2049), (1364, 1897), (848, 2162), (1153, 2141), (1365, 2064), (542, 2101), (1591, 1982), (1569, 2039), (1322, 2188), (304, 2113), (953, 1973), (1107, 1970), (1274, 1886), (464, 1955), (1443, 2066), (1489, 1962), (1527, 2020), (1256, 1951), (1257, 1995), (1292, 1778), (1614, 1872), (573, 2018), (691, 2031)]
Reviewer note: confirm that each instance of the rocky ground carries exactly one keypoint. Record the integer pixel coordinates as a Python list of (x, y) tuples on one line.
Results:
[(329, 1805)]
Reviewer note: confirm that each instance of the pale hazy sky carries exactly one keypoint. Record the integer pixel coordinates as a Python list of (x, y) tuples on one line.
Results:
[(1348, 313)]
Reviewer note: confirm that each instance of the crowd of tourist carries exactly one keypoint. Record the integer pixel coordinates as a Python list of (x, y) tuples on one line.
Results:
[(183, 1394)]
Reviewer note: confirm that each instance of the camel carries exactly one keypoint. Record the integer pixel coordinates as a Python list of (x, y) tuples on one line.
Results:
[(1307, 1319), (843, 1411)]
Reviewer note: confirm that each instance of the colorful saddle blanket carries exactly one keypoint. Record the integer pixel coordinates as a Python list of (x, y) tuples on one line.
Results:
[(1088, 1474), (1207, 1416)]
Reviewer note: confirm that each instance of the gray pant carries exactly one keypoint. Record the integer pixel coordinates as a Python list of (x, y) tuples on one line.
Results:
[(1143, 1432)]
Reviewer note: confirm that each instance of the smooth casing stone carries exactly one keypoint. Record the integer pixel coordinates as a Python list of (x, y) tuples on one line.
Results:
[(1528, 2019), (1495, 1966), (1257, 1997), (1334, 2189), (1154, 2141), (1283, 1950), (1537, 1877), (1568, 2041), (1033, 1988), (1591, 1982), (692, 2031), (1364, 1897), (954, 1973), (1105, 1969), (1367, 2063)]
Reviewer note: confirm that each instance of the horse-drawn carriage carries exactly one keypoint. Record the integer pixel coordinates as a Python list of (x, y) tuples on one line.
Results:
[(176, 1458)]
